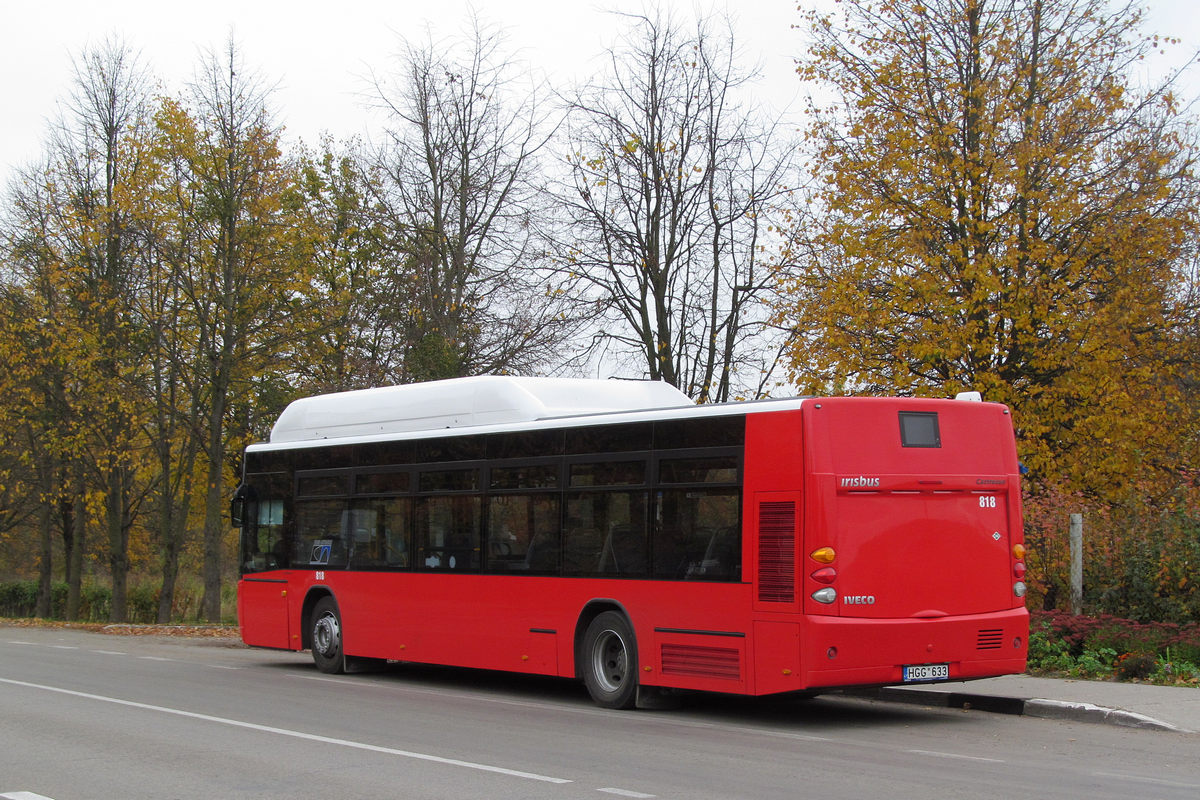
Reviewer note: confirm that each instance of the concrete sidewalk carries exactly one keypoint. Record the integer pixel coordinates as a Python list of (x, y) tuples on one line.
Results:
[(1135, 705)]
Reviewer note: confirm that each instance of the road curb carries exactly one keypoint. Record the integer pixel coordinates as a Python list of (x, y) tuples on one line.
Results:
[(1087, 712), (1029, 707)]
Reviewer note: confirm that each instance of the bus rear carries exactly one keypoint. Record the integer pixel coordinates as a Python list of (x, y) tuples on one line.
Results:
[(907, 536)]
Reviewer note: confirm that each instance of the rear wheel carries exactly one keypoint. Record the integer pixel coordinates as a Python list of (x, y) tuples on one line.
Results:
[(608, 661), (327, 637)]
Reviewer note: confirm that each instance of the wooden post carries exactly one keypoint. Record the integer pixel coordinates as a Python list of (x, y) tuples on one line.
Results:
[(1077, 564)]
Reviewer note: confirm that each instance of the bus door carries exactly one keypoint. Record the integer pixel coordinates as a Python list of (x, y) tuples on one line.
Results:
[(263, 611), (264, 558)]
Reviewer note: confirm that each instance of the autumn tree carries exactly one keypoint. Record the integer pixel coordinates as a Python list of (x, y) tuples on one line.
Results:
[(1001, 208), (357, 332), (75, 260), (33, 447), (457, 194), (673, 175), (237, 275)]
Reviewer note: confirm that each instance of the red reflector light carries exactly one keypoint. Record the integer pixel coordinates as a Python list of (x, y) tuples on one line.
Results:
[(1019, 569), (825, 575)]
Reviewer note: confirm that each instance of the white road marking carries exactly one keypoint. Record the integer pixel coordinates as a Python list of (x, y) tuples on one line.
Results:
[(155, 658), (626, 793), (23, 796), (311, 737), (110, 652), (64, 647), (939, 754)]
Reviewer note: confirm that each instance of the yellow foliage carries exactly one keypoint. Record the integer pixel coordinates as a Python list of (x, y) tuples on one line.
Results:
[(1001, 211)]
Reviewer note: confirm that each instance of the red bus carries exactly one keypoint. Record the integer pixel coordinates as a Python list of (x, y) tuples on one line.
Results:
[(614, 532)]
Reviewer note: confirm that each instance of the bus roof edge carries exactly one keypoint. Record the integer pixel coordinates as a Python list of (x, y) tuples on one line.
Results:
[(463, 403)]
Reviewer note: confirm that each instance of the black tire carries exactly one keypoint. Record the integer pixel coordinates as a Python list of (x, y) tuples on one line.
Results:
[(608, 661), (327, 649)]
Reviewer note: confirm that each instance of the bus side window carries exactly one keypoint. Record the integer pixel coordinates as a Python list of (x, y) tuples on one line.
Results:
[(523, 533), (696, 537), (447, 532), (363, 534), (605, 533), (263, 543), (395, 519), (320, 534)]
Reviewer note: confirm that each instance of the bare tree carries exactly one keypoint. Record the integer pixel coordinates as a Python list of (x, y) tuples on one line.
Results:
[(457, 193), (672, 181)]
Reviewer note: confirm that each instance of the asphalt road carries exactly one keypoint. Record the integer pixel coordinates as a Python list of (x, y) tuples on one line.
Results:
[(86, 715)]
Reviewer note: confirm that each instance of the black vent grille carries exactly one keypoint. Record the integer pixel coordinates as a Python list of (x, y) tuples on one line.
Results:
[(703, 662), (990, 639), (777, 552)]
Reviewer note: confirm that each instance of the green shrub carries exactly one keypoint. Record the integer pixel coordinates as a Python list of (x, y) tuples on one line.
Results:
[(95, 604), (1095, 663), (142, 604), (1048, 653), (18, 598)]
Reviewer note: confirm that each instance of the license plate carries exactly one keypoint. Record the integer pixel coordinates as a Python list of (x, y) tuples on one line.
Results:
[(926, 672)]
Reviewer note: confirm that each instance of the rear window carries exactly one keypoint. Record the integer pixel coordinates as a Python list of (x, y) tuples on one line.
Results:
[(919, 429)]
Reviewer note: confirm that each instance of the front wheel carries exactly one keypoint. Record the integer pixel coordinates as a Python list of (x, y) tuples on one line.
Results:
[(608, 661), (327, 637)]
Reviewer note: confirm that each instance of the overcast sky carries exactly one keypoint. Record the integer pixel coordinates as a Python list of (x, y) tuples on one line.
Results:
[(320, 53)]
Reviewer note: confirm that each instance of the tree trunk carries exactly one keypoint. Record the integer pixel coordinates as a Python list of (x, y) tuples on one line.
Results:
[(45, 563), (213, 511), (118, 544), (174, 532), (75, 522)]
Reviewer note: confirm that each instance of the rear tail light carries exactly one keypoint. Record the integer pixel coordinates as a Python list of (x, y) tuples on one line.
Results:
[(827, 595), (1019, 588), (823, 555), (825, 575)]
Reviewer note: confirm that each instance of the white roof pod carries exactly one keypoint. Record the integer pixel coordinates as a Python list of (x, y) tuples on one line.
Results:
[(464, 402)]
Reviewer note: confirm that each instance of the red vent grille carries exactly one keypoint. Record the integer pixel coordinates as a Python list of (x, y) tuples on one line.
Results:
[(990, 639), (703, 662), (777, 552)]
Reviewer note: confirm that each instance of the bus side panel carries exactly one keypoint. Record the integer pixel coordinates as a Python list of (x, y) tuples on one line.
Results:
[(773, 512), (469, 620), (777, 657), (689, 634), (774, 452), (376, 620)]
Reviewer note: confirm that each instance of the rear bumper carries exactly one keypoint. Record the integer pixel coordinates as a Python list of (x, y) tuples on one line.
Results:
[(837, 651)]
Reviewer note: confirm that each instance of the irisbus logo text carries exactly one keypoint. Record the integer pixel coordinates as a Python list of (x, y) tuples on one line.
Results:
[(859, 482)]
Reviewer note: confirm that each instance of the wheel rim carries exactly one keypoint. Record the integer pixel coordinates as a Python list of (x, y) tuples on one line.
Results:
[(327, 635), (610, 661)]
